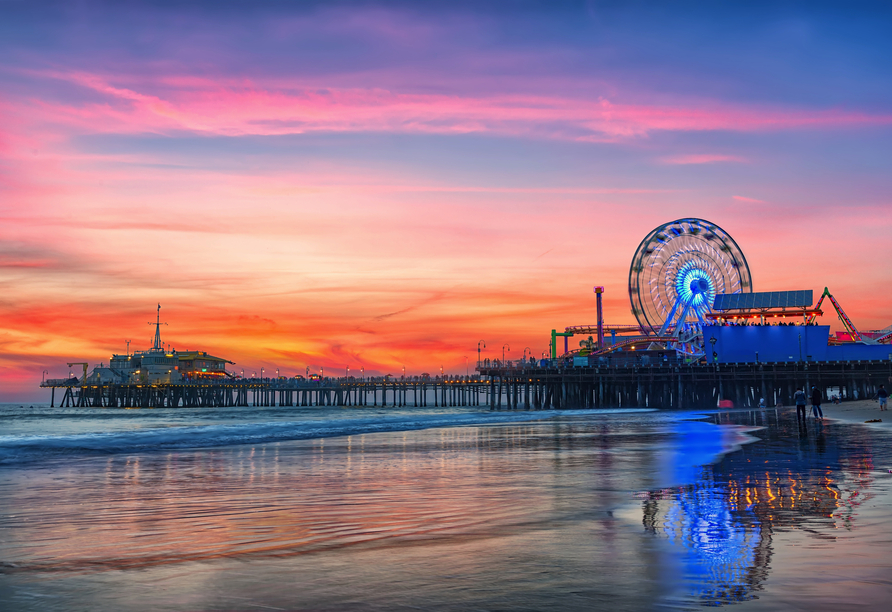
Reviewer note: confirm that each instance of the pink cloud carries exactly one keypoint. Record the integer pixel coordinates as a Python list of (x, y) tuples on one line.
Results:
[(246, 108), (750, 200), (701, 159)]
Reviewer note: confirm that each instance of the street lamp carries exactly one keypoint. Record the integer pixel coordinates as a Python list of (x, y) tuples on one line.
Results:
[(441, 371), (261, 374), (243, 372), (277, 373), (308, 372), (362, 373), (526, 348), (45, 372), (322, 370), (505, 346), (478, 351), (404, 372)]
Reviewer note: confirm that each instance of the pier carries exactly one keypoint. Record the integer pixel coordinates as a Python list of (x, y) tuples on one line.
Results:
[(439, 392), (616, 384), (628, 384)]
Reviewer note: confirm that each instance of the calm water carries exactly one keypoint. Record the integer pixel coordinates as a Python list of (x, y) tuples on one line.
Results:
[(366, 509)]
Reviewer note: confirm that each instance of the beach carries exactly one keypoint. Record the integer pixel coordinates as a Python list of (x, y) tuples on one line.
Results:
[(857, 411), (618, 510)]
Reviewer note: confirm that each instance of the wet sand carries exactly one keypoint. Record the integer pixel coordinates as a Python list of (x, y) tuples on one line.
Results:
[(591, 512), (858, 411)]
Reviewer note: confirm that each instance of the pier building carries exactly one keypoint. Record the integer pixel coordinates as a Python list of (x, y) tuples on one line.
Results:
[(159, 366), (198, 365)]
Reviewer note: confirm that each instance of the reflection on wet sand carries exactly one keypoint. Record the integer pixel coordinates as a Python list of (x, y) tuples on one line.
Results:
[(262, 501), (518, 516), (722, 525)]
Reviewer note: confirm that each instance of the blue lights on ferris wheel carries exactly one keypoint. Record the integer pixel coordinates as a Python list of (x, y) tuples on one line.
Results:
[(677, 271), (695, 285)]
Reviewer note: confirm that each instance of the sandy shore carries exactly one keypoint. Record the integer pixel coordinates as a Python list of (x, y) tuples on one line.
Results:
[(857, 411)]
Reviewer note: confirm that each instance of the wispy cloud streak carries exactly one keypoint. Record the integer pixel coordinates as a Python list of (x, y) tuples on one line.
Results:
[(208, 107)]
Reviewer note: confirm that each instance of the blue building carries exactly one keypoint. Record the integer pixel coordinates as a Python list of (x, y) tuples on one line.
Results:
[(784, 343)]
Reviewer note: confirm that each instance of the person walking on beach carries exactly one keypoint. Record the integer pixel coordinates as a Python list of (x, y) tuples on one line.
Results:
[(800, 398), (816, 403), (883, 397)]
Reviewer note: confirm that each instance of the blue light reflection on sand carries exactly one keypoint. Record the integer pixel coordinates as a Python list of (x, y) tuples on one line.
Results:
[(798, 493), (712, 551), (529, 515)]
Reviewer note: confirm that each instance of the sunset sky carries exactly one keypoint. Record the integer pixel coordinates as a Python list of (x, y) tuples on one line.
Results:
[(383, 184)]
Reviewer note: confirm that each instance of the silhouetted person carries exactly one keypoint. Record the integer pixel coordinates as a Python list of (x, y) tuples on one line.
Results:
[(883, 397), (800, 399), (816, 403)]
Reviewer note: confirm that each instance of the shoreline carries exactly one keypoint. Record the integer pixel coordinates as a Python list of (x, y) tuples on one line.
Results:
[(856, 411)]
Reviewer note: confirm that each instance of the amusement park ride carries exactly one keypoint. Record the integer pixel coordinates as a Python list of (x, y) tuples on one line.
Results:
[(677, 273)]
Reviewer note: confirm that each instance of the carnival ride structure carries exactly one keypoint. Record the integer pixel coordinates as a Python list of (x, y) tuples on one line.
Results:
[(676, 273)]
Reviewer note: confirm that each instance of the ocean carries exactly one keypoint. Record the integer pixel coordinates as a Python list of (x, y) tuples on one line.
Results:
[(361, 508)]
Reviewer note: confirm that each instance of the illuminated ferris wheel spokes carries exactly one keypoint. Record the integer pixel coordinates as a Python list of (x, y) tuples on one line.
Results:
[(677, 271)]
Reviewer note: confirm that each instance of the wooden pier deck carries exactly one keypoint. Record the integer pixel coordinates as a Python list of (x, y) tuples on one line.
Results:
[(672, 385)]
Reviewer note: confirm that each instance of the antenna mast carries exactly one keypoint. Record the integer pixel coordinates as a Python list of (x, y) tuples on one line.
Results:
[(157, 346)]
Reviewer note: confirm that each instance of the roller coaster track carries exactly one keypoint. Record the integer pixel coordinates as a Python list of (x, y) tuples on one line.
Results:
[(623, 344), (885, 339), (593, 329)]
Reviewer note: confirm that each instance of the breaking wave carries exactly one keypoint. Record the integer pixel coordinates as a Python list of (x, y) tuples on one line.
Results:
[(27, 448)]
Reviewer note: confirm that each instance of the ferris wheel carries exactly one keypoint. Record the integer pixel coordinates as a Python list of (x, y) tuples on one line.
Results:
[(677, 271)]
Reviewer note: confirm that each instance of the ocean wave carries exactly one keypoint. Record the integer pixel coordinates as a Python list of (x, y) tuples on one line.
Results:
[(27, 448)]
